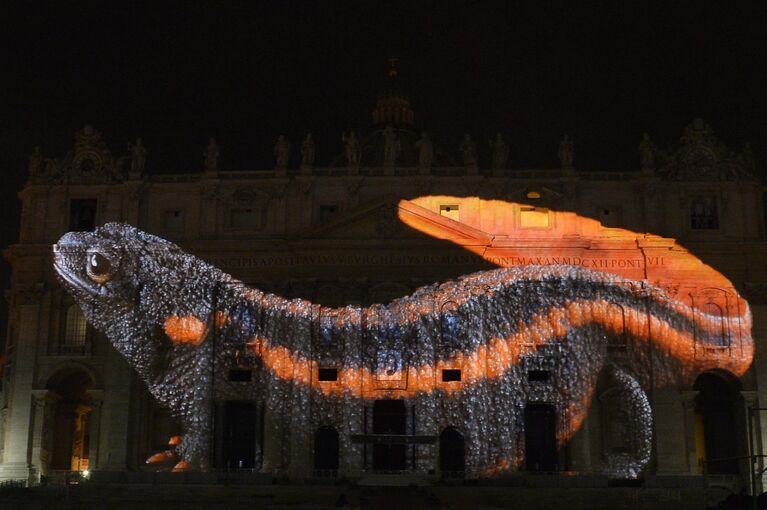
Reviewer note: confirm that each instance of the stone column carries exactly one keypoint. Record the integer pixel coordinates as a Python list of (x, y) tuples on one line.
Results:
[(16, 465), (44, 413), (300, 436), (113, 442), (94, 428), (690, 433), (751, 400), (272, 436)]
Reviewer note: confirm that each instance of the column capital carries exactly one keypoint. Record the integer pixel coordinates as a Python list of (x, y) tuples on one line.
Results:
[(44, 397), (750, 398)]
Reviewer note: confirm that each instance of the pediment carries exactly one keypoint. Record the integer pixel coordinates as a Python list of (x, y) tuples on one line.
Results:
[(381, 219)]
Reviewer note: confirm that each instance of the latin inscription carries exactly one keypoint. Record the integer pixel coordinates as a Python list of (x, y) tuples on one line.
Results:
[(398, 259)]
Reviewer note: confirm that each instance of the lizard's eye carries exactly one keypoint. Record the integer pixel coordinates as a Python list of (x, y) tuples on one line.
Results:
[(98, 267)]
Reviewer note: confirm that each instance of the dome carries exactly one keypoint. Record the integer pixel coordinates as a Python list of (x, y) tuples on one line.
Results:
[(393, 105)]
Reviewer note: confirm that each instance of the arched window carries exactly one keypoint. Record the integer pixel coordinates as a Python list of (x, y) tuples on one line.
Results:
[(68, 441), (75, 331), (326, 450), (718, 336), (449, 322), (452, 454)]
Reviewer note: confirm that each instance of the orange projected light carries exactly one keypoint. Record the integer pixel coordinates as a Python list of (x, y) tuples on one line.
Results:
[(572, 304), (705, 296)]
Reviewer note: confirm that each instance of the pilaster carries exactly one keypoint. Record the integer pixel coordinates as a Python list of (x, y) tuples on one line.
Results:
[(44, 412), (669, 431), (690, 433), (16, 465)]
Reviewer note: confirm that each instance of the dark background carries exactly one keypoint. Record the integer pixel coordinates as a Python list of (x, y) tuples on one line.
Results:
[(176, 73)]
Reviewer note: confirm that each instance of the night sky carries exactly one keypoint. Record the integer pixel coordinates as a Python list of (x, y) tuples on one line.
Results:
[(176, 73)]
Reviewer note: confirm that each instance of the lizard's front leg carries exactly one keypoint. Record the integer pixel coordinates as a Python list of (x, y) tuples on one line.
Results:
[(190, 451), (636, 407)]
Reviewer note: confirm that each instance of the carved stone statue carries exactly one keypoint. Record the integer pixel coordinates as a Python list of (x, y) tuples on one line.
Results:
[(307, 151), (138, 158), (425, 151), (212, 153), (565, 152), (352, 146), (282, 152), (468, 151), (391, 147), (36, 162), (52, 169), (647, 151), (500, 152)]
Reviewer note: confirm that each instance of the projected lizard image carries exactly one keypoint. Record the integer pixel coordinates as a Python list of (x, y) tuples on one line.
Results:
[(472, 353)]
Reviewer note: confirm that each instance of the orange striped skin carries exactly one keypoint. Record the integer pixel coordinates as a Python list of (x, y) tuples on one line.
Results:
[(184, 330), (494, 360)]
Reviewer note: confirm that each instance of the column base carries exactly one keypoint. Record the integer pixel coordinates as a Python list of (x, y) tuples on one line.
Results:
[(19, 471)]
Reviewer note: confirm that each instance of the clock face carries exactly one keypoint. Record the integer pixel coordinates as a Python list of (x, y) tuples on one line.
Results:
[(701, 162)]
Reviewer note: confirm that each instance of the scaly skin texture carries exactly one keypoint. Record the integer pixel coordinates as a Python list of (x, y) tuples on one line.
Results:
[(183, 324)]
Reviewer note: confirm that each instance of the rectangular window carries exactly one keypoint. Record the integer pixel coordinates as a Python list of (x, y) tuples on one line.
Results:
[(82, 214), (533, 217), (449, 211), (173, 220), (328, 374), (243, 218), (328, 212), (704, 214), (451, 375), (538, 375)]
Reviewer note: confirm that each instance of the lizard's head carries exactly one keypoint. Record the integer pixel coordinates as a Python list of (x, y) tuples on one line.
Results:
[(128, 282), (102, 269)]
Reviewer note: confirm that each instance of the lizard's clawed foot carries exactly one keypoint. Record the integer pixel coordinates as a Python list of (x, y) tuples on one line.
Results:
[(181, 466), (168, 456), (162, 458)]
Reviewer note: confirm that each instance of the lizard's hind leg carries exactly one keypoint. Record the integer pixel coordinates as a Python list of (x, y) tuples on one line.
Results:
[(633, 408)]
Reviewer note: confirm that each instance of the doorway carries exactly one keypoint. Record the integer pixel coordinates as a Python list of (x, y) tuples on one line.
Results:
[(326, 449), (540, 437), (240, 435), (389, 417), (70, 442), (452, 456), (716, 431)]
